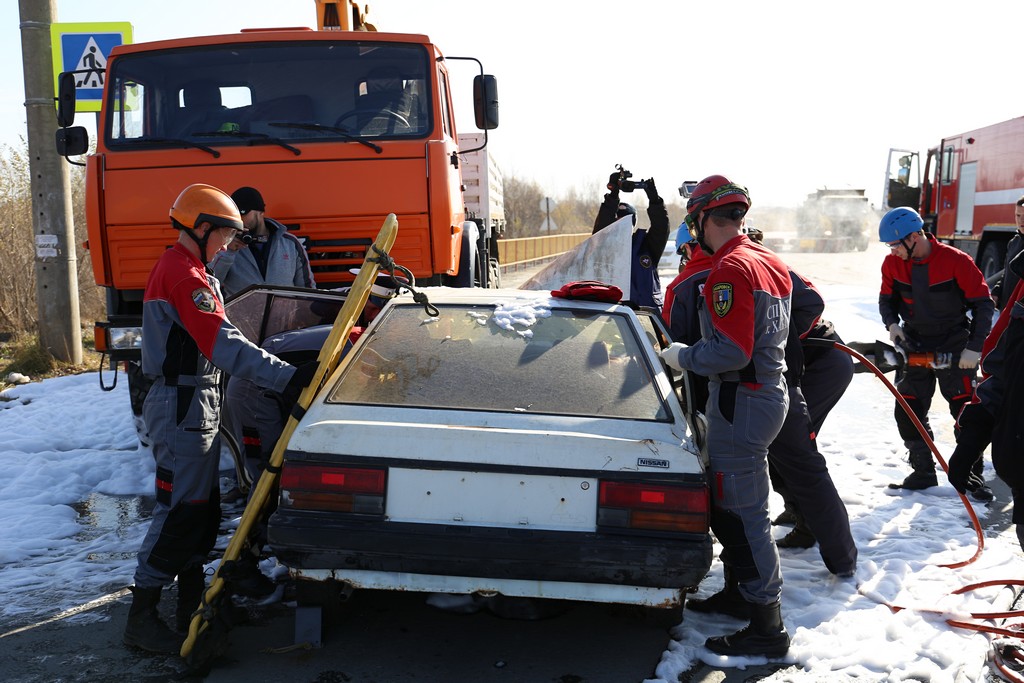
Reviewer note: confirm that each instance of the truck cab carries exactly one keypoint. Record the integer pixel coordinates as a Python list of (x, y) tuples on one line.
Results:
[(336, 128)]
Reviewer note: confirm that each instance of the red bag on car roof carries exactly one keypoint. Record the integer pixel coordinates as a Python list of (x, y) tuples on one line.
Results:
[(589, 290)]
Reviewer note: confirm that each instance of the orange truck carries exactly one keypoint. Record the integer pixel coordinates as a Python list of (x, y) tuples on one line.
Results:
[(337, 127)]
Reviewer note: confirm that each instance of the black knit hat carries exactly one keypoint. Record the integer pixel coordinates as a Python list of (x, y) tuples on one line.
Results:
[(248, 199)]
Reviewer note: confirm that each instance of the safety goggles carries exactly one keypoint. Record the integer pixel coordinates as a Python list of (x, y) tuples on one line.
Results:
[(691, 224)]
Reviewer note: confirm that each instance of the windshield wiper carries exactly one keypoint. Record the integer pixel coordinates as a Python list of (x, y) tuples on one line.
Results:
[(180, 142), (250, 136), (331, 129)]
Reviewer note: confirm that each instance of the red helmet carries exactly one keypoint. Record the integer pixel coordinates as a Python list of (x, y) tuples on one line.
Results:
[(714, 191)]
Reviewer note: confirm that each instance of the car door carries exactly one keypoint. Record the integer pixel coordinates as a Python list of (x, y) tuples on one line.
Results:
[(657, 334)]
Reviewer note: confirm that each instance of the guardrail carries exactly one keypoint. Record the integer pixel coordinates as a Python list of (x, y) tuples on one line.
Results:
[(525, 252)]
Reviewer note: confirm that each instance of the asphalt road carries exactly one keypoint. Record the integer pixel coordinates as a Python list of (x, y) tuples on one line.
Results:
[(374, 638)]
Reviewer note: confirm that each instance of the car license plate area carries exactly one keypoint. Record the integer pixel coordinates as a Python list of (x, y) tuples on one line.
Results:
[(491, 499)]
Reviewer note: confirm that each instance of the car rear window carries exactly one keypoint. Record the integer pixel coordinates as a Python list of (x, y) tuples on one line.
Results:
[(530, 359)]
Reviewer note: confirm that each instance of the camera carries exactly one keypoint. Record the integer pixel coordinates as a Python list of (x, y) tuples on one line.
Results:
[(249, 238), (624, 182)]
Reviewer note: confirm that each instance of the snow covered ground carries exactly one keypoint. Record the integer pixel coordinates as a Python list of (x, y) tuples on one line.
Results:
[(71, 519)]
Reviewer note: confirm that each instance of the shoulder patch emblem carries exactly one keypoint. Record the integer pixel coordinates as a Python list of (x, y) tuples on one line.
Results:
[(645, 260), (204, 300), (721, 298)]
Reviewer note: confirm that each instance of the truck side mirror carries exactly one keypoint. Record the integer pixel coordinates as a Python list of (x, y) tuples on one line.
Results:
[(485, 101), (72, 141), (66, 99)]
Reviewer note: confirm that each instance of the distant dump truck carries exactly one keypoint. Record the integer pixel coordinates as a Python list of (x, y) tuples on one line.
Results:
[(834, 220)]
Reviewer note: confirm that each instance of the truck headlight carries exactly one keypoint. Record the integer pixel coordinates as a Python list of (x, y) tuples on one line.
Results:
[(122, 338)]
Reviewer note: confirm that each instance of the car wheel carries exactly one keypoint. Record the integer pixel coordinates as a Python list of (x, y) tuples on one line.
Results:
[(664, 617), (990, 261)]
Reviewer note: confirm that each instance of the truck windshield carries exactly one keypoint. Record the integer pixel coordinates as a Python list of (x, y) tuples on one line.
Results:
[(266, 93)]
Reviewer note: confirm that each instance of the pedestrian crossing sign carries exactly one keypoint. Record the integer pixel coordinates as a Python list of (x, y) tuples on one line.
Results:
[(84, 48)]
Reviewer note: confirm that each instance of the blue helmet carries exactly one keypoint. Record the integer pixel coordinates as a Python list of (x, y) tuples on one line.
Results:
[(898, 223)]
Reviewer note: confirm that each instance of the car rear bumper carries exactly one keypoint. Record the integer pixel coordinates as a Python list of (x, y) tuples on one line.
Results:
[(309, 541)]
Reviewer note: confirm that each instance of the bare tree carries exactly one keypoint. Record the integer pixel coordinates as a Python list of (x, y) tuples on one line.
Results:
[(17, 269), (522, 207), (17, 278), (575, 213)]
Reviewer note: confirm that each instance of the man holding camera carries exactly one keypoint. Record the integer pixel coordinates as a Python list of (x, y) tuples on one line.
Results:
[(266, 254), (647, 245)]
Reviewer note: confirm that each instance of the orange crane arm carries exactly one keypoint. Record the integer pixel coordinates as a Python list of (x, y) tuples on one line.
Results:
[(342, 15)]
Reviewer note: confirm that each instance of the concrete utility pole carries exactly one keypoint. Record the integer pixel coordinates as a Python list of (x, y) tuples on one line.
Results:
[(60, 330)]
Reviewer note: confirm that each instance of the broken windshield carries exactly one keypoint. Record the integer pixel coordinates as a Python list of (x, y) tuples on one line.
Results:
[(555, 361)]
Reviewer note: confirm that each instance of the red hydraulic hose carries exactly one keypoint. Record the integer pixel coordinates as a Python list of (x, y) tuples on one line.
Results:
[(999, 656), (927, 439)]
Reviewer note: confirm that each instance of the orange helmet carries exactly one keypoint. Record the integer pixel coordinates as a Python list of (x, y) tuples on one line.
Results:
[(198, 203)]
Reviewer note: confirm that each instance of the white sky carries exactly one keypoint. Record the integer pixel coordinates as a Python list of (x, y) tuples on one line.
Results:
[(783, 96), (63, 440)]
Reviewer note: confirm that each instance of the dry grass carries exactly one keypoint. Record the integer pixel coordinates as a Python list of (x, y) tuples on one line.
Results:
[(22, 354)]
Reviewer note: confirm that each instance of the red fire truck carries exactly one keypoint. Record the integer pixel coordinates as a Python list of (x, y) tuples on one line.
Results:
[(965, 189)]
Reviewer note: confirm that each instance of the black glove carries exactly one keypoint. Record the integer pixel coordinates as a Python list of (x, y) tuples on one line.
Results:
[(299, 381), (613, 182), (651, 190), (960, 464)]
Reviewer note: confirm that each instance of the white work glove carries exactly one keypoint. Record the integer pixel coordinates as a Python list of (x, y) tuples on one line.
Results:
[(670, 354), (896, 334), (969, 359)]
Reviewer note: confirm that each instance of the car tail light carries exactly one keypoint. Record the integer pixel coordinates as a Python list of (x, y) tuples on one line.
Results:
[(653, 507), (332, 488)]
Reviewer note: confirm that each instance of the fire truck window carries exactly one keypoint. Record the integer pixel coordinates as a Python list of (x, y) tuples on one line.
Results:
[(948, 166)]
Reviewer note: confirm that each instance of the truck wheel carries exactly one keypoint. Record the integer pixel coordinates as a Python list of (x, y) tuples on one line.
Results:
[(990, 260), (494, 280), (229, 442)]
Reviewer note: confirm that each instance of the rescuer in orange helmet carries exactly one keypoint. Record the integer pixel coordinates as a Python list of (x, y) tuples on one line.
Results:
[(186, 342)]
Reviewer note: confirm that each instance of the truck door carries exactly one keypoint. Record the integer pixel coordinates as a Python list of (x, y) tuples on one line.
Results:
[(947, 187), (965, 198)]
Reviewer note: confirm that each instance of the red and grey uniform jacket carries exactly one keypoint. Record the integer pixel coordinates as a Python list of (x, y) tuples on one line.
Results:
[(746, 317), (932, 296), (684, 298), (185, 333), (998, 344), (805, 314)]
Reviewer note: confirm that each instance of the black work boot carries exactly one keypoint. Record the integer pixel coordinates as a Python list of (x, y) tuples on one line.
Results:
[(765, 635), (799, 537), (191, 586), (923, 476), (245, 578), (728, 601), (787, 517), (145, 629), (976, 485)]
